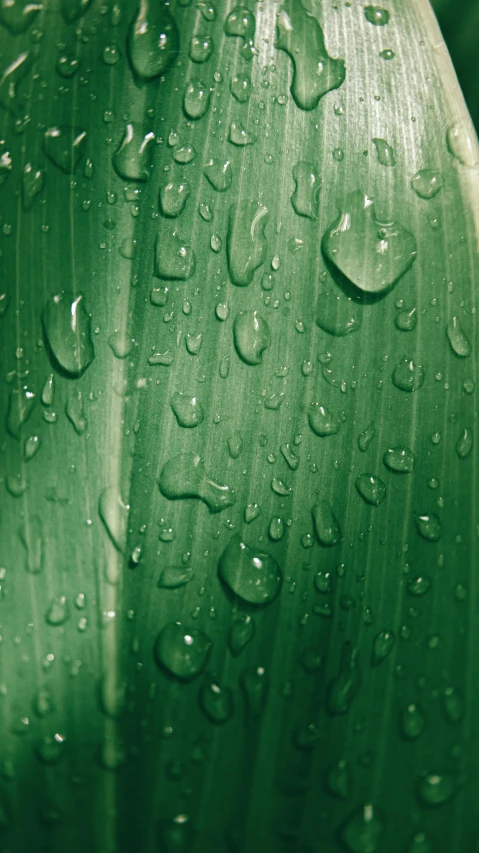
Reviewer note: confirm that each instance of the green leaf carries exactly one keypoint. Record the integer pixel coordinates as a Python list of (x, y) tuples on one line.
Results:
[(238, 339)]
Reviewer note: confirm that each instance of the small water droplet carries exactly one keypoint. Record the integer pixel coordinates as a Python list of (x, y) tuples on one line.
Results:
[(196, 100), (305, 199), (253, 575), (428, 526), (251, 336), (363, 831), (400, 459), (173, 197), (460, 343), (326, 526), (376, 15), (383, 645), (385, 152), (114, 514), (201, 48), (181, 650), (461, 141), (408, 376), (371, 488), (184, 476), (132, 158), (427, 183), (187, 410)]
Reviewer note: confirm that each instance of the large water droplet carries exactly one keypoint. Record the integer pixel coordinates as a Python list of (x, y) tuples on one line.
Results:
[(217, 702), (196, 100), (10, 77), (132, 159), (338, 314), (74, 9), (219, 174), (249, 572), (114, 514), (384, 151), (363, 831), (427, 183), (67, 327), (383, 645), (241, 88), (33, 182), (242, 632), (408, 375), (153, 40), (343, 687), (241, 22), (462, 143), (434, 789), (172, 577), (428, 526), (464, 443), (305, 199), (181, 650), (371, 488), (325, 522), (65, 146), (372, 254), (201, 48), (21, 403), (322, 422), (400, 459), (251, 336), (173, 197), (314, 72), (240, 136), (188, 410), (31, 536), (406, 320), (184, 476), (17, 15), (174, 258), (376, 15), (460, 343), (246, 244)]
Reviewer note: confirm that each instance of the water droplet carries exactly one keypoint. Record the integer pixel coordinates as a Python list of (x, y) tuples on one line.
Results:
[(208, 11), (153, 40), (400, 459), (460, 343), (255, 684), (235, 444), (241, 22), (172, 577), (184, 476), (305, 199), (336, 313), (196, 100), (251, 512), (187, 410), (386, 250), (111, 54), (461, 141), (21, 403), (31, 536), (193, 343), (239, 135), (365, 438), (363, 831), (383, 645), (314, 72), (217, 702), (6, 164), (385, 152), (387, 54), (132, 159), (18, 15), (427, 183), (246, 242), (434, 789), (220, 175), (339, 780), (9, 79), (33, 182), (241, 633), (67, 327), (322, 422), (276, 529), (371, 488), (182, 651), (453, 705), (406, 320), (343, 687), (114, 514), (428, 526), (58, 611), (289, 456), (67, 65), (65, 146), (419, 585), (376, 15), (408, 376), (173, 197), (184, 154), (241, 88), (464, 443), (323, 583), (251, 336), (174, 258), (201, 48), (326, 525), (250, 573), (75, 412), (31, 447)]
